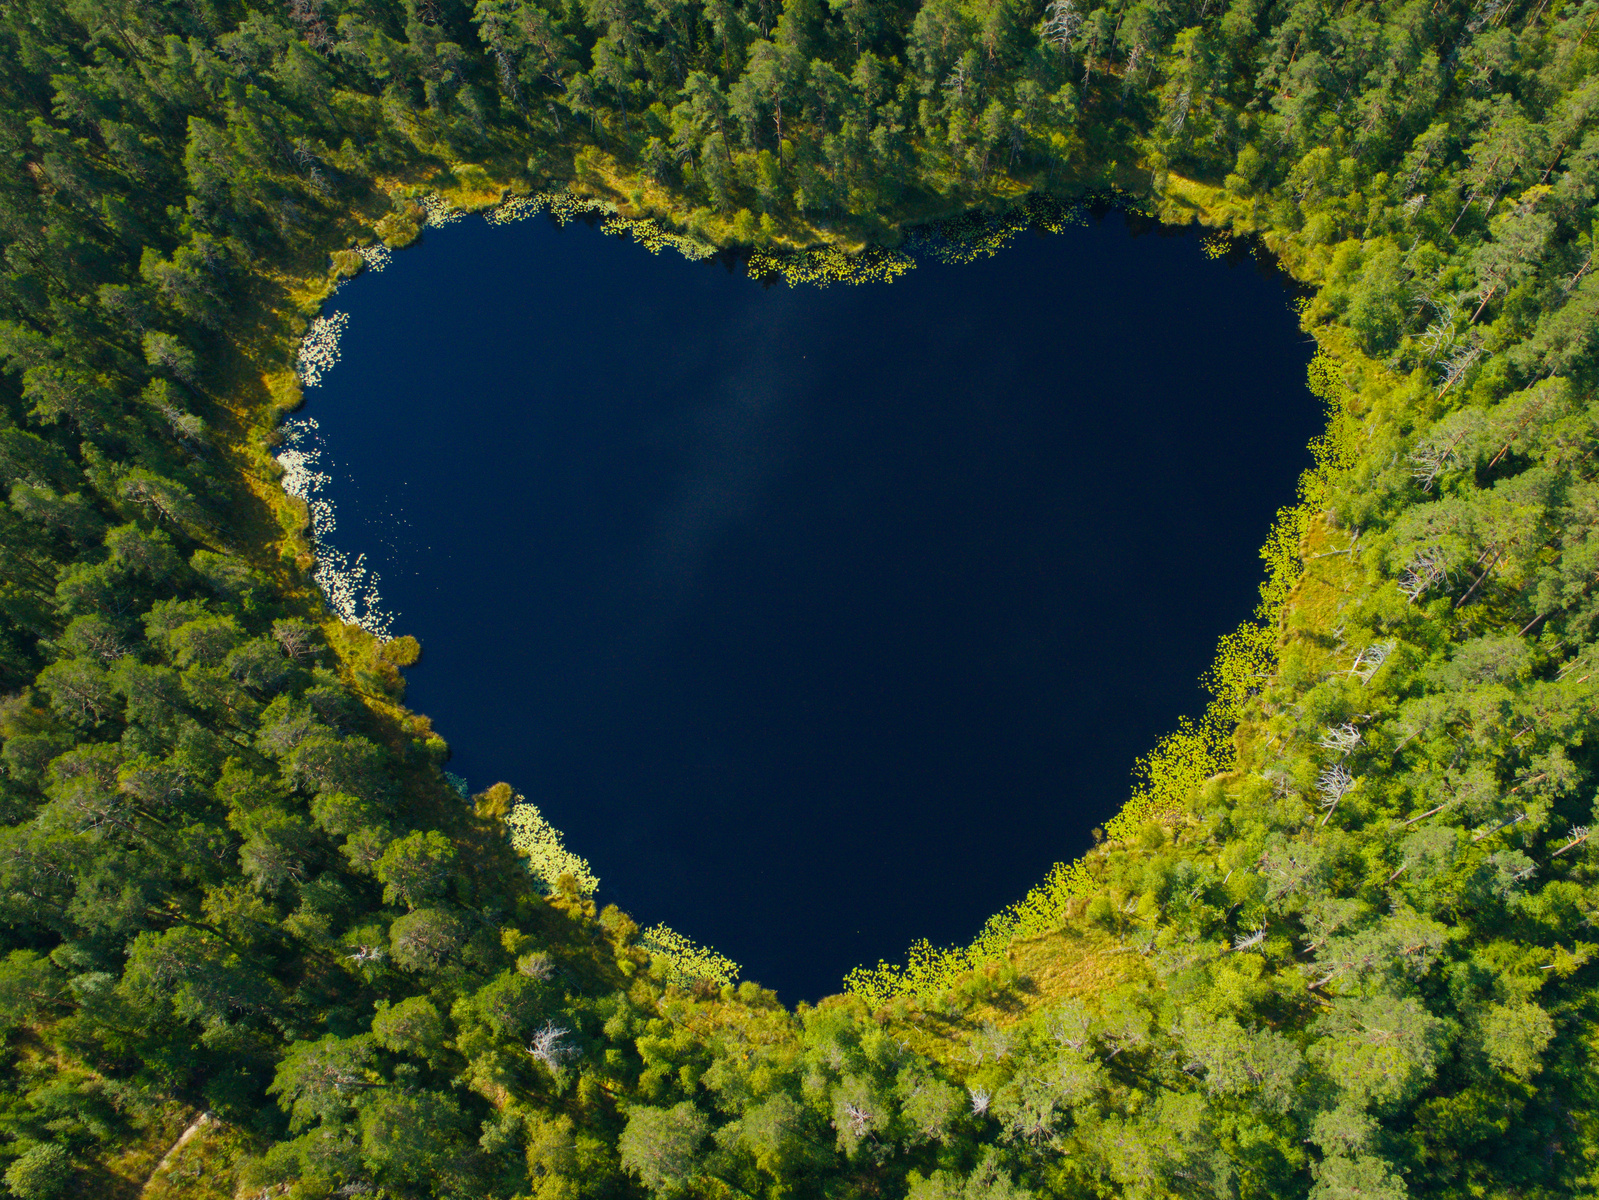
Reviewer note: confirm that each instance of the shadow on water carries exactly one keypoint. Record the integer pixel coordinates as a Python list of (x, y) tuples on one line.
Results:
[(820, 620)]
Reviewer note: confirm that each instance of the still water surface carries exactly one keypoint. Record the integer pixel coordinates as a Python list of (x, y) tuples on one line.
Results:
[(820, 620)]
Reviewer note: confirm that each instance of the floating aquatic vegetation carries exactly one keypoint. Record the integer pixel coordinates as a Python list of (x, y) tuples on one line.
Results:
[(975, 236), (547, 856), (440, 211), (959, 240), (516, 208), (654, 237), (319, 348), (832, 265), (300, 476), (686, 961), (458, 784), (968, 238), (548, 860), (377, 255), (350, 588), (565, 208)]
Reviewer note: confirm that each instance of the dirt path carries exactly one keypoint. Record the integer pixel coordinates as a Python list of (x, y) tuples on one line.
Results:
[(199, 1123)]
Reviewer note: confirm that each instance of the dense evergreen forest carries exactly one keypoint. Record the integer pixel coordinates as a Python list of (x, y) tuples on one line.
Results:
[(1350, 957)]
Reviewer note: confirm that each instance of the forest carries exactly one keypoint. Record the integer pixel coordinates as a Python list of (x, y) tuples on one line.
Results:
[(1341, 942)]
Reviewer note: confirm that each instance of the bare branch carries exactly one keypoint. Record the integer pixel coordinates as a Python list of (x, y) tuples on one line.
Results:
[(1428, 567), (1344, 739), (1333, 784), (549, 1047), (1579, 836)]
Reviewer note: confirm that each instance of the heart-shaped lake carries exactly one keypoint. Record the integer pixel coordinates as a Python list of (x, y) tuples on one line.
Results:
[(820, 620)]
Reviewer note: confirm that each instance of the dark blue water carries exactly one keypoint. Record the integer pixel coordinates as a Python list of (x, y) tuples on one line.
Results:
[(820, 620)]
